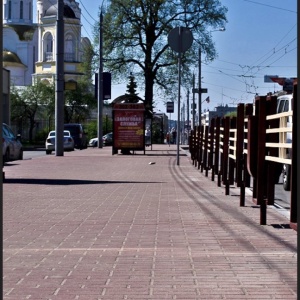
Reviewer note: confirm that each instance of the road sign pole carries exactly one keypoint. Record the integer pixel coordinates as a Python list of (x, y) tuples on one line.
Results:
[(178, 108), (180, 40)]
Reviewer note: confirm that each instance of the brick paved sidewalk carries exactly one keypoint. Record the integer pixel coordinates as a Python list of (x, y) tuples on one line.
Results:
[(90, 225)]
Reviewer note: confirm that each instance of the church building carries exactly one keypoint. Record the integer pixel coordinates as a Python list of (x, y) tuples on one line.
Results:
[(29, 49)]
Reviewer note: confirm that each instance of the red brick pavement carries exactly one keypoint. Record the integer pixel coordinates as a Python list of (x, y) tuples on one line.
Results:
[(90, 225)]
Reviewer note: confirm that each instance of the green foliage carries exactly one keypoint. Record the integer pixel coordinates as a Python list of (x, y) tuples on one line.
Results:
[(27, 102), (135, 38), (41, 136), (91, 129), (88, 64), (131, 87), (78, 103), (231, 114)]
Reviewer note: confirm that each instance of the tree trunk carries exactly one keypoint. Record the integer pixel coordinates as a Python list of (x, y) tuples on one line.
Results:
[(149, 83), (31, 127)]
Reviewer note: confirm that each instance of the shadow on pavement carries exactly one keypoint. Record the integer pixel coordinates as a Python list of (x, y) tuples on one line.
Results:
[(64, 181)]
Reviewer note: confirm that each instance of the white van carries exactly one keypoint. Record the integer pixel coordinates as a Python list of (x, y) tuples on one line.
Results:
[(284, 104)]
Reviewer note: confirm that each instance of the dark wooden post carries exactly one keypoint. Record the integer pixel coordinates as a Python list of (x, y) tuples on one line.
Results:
[(293, 216), (217, 149), (225, 178), (261, 164), (205, 151), (211, 148), (231, 150)]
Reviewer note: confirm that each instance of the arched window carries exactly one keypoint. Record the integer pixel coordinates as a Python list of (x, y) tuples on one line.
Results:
[(48, 47), (21, 9), (69, 48)]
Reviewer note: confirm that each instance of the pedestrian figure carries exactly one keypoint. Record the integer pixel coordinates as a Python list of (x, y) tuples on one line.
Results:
[(174, 135), (168, 137), (148, 137)]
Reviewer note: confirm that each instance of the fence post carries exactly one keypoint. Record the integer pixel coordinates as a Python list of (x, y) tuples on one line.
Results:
[(205, 151), (225, 155), (293, 216), (231, 150), (239, 152), (211, 149), (217, 148), (247, 177), (221, 139), (271, 106), (239, 144), (200, 147), (261, 152)]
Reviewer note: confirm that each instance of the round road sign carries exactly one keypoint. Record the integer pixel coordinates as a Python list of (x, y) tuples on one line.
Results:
[(180, 39)]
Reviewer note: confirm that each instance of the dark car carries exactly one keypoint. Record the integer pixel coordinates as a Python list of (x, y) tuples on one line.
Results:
[(107, 140), (12, 146), (78, 135)]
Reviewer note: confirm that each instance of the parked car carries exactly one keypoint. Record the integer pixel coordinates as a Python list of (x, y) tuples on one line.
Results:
[(78, 135), (93, 142), (12, 146), (50, 142), (107, 140)]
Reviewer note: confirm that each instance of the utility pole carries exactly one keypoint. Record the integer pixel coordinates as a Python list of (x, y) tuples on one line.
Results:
[(100, 84), (199, 86), (193, 109), (188, 112), (60, 70)]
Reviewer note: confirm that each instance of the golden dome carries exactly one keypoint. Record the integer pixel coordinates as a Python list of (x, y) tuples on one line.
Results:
[(11, 58)]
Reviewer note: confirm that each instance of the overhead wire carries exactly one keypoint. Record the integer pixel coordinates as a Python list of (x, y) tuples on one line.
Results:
[(258, 64), (272, 6)]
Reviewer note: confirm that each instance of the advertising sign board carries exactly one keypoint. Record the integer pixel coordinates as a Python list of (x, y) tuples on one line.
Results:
[(129, 126)]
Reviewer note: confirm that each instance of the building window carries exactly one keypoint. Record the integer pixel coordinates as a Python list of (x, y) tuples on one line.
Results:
[(9, 9), (30, 11), (48, 47), (21, 9), (69, 48)]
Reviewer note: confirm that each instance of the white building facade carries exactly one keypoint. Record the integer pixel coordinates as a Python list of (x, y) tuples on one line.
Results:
[(29, 49)]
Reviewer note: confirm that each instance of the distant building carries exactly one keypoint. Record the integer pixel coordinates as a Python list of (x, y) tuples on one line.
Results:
[(74, 44), (20, 41), (29, 49), (220, 111)]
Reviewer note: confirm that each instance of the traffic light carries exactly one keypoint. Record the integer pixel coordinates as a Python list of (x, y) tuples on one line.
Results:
[(106, 85)]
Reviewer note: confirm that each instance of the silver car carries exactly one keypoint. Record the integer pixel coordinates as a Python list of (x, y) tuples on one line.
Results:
[(12, 146), (50, 142)]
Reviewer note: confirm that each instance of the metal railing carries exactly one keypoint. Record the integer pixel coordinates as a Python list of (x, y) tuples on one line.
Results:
[(251, 146)]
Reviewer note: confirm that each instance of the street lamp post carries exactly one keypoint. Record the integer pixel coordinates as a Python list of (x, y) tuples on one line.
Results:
[(100, 84)]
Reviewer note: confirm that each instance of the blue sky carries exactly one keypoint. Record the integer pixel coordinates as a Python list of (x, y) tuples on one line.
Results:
[(260, 39)]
